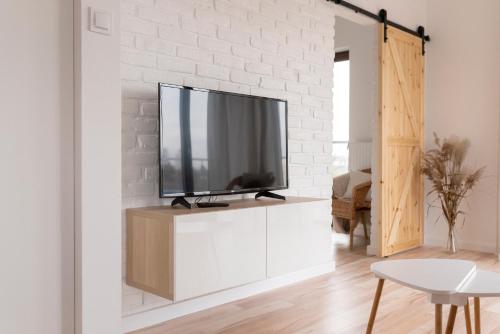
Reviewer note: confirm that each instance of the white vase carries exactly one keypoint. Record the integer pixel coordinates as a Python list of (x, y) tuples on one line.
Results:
[(452, 242)]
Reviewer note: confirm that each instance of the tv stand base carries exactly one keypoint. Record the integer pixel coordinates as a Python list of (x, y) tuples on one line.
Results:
[(182, 201), (270, 195)]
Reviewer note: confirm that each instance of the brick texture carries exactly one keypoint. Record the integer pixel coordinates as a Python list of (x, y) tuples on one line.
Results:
[(273, 48)]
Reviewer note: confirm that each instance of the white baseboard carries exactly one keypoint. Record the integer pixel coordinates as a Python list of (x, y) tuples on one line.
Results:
[(462, 244), (156, 316)]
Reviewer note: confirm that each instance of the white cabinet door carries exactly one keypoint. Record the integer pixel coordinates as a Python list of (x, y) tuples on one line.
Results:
[(298, 236), (219, 250)]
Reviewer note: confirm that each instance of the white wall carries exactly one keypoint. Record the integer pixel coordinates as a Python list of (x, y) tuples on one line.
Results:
[(409, 13), (462, 98), (36, 178), (271, 48), (98, 172), (362, 43)]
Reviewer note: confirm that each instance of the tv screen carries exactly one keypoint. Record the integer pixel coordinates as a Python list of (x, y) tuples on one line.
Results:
[(214, 143)]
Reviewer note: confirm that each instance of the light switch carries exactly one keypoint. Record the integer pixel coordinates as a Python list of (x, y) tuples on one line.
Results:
[(100, 21)]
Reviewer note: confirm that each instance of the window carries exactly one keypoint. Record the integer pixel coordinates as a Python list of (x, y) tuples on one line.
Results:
[(341, 82)]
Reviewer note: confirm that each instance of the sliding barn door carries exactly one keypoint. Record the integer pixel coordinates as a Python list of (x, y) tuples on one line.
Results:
[(401, 142)]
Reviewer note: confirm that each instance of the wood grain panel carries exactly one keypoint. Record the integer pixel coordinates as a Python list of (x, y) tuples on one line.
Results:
[(338, 303), (400, 217), (150, 254), (168, 211)]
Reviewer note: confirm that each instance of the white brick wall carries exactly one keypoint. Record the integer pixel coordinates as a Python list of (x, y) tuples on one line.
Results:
[(275, 48)]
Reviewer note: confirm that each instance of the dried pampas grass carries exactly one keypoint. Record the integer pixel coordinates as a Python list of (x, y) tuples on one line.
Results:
[(451, 179)]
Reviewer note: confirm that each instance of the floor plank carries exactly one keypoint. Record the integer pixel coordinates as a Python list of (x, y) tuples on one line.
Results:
[(337, 303)]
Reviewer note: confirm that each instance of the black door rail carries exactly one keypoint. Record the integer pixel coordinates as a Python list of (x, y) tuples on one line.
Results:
[(382, 17)]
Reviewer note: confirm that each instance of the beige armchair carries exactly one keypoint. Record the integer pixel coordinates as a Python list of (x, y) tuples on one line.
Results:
[(348, 208)]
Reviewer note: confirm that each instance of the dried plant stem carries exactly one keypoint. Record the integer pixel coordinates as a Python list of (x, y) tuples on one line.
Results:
[(451, 180)]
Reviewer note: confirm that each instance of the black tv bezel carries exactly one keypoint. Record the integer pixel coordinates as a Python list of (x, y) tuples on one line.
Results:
[(221, 192)]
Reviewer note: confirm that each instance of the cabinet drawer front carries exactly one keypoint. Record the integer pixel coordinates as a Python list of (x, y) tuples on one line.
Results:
[(298, 236), (219, 250)]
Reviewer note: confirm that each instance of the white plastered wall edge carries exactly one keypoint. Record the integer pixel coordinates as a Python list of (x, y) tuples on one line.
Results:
[(498, 197), (97, 127), (498, 189)]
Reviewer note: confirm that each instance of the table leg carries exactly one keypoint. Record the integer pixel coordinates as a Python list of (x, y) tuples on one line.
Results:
[(467, 317), (477, 315), (451, 319), (439, 319), (376, 301)]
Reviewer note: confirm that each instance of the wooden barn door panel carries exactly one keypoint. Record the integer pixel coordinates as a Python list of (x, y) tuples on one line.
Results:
[(401, 142)]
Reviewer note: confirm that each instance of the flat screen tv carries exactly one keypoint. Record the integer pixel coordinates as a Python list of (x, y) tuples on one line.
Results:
[(216, 143)]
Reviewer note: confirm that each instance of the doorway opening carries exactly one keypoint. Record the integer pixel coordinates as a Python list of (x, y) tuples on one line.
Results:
[(355, 104), (340, 128)]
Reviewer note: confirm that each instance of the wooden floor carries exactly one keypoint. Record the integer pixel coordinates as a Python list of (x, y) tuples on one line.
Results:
[(337, 303)]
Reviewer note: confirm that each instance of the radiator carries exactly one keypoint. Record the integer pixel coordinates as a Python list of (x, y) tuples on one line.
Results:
[(360, 155)]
